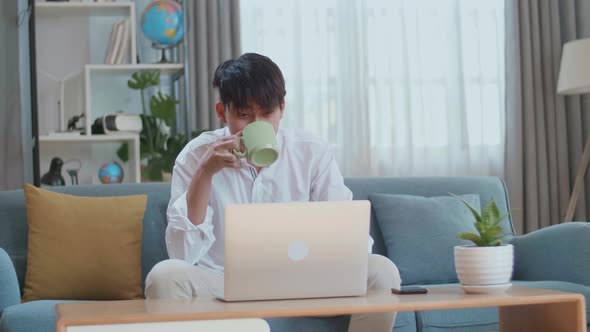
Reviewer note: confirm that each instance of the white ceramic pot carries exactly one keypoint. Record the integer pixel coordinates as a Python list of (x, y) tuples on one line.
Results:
[(484, 266)]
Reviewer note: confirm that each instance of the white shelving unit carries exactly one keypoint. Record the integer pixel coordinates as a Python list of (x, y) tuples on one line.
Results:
[(104, 81), (72, 39), (87, 23), (69, 9), (77, 146), (87, 138)]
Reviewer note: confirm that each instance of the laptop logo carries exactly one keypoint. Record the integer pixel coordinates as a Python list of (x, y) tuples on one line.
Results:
[(297, 250)]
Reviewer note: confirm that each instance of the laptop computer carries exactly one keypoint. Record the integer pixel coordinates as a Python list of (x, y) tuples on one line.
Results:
[(296, 250)]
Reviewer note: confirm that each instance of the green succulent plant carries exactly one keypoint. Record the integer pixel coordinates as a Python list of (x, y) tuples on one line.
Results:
[(487, 223)]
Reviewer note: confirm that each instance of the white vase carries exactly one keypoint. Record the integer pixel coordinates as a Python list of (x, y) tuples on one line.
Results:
[(484, 268)]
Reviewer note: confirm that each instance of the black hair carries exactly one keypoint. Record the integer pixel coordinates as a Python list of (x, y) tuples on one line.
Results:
[(251, 78)]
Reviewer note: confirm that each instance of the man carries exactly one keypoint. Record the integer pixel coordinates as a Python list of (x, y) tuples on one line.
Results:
[(207, 176)]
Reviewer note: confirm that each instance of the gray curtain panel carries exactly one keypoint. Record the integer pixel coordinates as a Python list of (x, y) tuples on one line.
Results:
[(11, 153), (213, 38), (545, 133)]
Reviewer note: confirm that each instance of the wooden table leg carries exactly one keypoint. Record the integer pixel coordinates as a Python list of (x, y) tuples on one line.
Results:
[(548, 317)]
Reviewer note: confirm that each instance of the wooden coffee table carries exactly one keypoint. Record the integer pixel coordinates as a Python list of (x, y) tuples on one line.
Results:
[(520, 309)]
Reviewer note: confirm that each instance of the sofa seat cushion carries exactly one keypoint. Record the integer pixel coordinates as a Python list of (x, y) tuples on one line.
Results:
[(312, 324), (38, 316), (405, 322), (484, 319)]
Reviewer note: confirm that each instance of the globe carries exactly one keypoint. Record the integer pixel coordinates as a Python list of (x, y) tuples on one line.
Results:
[(110, 172), (162, 23)]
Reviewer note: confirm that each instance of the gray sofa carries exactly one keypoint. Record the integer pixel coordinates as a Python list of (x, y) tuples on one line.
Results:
[(556, 257)]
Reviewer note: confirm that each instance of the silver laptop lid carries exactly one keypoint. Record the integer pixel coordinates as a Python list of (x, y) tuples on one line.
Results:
[(296, 250)]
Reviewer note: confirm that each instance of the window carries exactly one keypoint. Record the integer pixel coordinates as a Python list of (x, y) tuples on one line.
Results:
[(399, 87)]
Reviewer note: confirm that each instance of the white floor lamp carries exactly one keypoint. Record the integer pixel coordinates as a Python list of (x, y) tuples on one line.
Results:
[(574, 79)]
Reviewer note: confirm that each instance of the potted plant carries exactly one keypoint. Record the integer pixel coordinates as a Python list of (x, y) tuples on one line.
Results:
[(158, 147), (486, 265)]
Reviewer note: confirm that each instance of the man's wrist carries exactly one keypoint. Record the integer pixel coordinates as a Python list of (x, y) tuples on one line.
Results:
[(203, 173)]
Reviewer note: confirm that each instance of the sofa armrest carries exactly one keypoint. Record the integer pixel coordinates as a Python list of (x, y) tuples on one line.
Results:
[(559, 252), (9, 290)]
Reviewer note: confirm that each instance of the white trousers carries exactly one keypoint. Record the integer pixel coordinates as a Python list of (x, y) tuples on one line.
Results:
[(174, 278)]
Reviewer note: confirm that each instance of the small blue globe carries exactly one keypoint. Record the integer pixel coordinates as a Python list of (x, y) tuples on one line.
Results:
[(162, 23), (111, 172)]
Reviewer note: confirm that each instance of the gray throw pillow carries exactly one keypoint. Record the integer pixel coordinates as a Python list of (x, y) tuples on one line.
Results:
[(420, 233)]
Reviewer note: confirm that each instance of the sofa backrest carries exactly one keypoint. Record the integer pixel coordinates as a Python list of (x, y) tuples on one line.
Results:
[(486, 187), (13, 222)]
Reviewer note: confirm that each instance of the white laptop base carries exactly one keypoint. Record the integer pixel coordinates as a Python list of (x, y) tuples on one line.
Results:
[(296, 250)]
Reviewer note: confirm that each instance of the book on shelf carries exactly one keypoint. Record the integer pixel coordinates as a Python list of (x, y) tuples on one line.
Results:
[(119, 42), (122, 52), (114, 36)]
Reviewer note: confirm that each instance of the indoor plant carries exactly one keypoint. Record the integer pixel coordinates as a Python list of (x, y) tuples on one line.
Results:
[(158, 147), (486, 265)]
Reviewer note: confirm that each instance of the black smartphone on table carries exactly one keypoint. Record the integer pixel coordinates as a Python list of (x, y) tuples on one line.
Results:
[(409, 290)]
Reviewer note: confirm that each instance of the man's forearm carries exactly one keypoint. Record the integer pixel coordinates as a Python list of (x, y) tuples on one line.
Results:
[(198, 197)]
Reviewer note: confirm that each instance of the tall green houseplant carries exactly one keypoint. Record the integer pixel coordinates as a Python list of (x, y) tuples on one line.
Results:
[(158, 149), (157, 115)]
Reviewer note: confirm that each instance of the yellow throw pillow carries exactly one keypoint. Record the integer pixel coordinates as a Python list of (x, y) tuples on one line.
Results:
[(83, 248)]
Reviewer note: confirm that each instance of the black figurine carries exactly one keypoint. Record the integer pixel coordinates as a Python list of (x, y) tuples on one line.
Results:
[(53, 177), (73, 121)]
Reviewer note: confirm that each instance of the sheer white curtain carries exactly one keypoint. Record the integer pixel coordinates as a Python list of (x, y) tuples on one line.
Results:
[(399, 87)]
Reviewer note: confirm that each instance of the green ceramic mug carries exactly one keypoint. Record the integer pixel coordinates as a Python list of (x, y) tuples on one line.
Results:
[(260, 144)]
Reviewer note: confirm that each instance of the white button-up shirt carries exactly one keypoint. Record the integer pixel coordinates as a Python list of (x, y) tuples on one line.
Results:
[(305, 171)]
